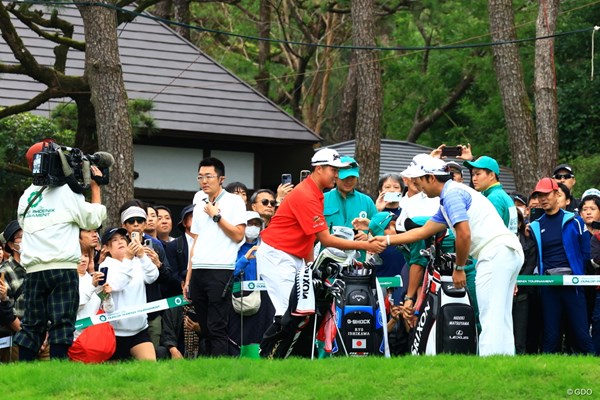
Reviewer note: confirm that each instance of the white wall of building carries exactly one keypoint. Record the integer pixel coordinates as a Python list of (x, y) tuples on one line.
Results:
[(175, 168)]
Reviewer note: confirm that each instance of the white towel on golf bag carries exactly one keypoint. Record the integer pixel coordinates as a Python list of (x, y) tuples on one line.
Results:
[(305, 292)]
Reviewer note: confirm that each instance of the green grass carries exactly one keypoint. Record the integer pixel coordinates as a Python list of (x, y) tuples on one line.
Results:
[(441, 377)]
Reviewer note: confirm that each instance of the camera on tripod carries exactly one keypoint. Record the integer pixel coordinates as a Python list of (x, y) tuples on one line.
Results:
[(56, 165)]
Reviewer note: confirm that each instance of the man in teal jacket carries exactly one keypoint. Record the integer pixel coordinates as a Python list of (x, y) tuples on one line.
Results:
[(344, 203), (485, 174)]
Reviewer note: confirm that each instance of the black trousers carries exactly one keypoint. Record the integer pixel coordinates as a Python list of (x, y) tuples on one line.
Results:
[(213, 305)]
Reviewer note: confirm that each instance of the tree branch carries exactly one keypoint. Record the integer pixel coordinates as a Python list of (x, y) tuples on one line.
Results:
[(33, 20), (421, 126), (29, 105)]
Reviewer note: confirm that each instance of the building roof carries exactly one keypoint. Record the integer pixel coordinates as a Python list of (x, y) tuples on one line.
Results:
[(397, 154), (191, 92)]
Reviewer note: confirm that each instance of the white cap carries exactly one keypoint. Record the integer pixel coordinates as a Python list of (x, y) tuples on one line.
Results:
[(328, 156), (591, 192), (133, 211), (424, 164), (252, 215)]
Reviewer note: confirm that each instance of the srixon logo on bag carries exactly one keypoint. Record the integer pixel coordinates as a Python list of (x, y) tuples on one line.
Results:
[(306, 283)]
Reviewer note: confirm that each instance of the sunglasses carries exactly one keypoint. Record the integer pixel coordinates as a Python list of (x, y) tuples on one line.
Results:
[(563, 176), (134, 220), (266, 202)]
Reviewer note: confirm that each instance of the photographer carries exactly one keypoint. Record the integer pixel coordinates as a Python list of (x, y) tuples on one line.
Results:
[(51, 217)]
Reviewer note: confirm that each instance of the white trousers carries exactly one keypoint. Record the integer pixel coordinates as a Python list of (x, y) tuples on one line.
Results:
[(495, 281), (278, 269)]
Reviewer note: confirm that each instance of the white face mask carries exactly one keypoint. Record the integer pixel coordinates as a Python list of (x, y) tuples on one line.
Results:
[(252, 232)]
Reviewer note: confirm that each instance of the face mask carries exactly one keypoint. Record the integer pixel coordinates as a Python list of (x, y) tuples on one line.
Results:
[(252, 232), (522, 210), (18, 247)]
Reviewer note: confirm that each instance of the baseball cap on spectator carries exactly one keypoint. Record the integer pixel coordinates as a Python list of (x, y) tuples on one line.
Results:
[(454, 164), (519, 197), (250, 215), (327, 157), (133, 211), (380, 222), (424, 164), (352, 170), (34, 149), (484, 162), (591, 192), (545, 185), (9, 233), (109, 233), (186, 210), (566, 167)]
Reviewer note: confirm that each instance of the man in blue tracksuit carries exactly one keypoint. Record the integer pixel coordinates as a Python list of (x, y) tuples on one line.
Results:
[(562, 250)]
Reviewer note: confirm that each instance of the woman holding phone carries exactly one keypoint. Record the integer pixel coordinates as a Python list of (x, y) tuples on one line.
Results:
[(391, 189), (128, 270)]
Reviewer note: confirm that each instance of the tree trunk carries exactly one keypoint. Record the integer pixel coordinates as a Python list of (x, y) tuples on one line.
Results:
[(546, 106), (181, 13), (86, 138), (264, 47), (163, 9), (515, 102), (105, 76), (369, 99), (347, 114)]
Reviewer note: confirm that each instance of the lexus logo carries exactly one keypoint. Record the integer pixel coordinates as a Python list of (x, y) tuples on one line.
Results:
[(459, 332)]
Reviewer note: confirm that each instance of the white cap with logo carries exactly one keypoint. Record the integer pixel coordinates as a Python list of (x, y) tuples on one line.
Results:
[(328, 156), (424, 164)]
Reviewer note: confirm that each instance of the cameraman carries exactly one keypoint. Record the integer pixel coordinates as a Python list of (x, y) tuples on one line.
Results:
[(51, 218)]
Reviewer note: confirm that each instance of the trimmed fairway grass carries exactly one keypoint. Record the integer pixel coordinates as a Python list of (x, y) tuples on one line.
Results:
[(447, 377)]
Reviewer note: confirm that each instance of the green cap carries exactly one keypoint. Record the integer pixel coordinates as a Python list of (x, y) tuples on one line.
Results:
[(484, 162), (351, 170), (379, 222)]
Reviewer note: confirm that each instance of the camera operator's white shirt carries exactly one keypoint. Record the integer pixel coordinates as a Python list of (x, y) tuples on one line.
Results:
[(51, 227), (214, 249)]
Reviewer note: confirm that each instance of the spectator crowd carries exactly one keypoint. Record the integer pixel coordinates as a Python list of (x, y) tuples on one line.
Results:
[(60, 265)]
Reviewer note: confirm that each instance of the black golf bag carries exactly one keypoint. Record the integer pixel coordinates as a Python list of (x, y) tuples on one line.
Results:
[(445, 318), (359, 316), (345, 306)]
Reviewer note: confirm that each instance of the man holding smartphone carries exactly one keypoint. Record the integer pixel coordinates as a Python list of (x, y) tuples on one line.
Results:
[(287, 243)]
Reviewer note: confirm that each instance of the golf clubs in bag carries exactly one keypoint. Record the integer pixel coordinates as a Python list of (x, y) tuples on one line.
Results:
[(310, 301), (445, 317)]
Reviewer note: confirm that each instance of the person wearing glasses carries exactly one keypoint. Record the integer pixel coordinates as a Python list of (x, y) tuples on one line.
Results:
[(288, 241), (219, 221), (564, 174), (263, 202)]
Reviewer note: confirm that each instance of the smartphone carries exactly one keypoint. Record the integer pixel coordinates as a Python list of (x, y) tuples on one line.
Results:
[(392, 197), (135, 236), (102, 280), (192, 315), (535, 213), (304, 174), (286, 179), (451, 151), (148, 243)]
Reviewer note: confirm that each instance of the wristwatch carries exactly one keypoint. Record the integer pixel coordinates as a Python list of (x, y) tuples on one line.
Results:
[(460, 267), (409, 298), (217, 218)]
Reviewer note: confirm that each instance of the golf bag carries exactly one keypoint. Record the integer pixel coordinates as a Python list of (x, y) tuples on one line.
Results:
[(345, 311), (360, 318), (445, 317)]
